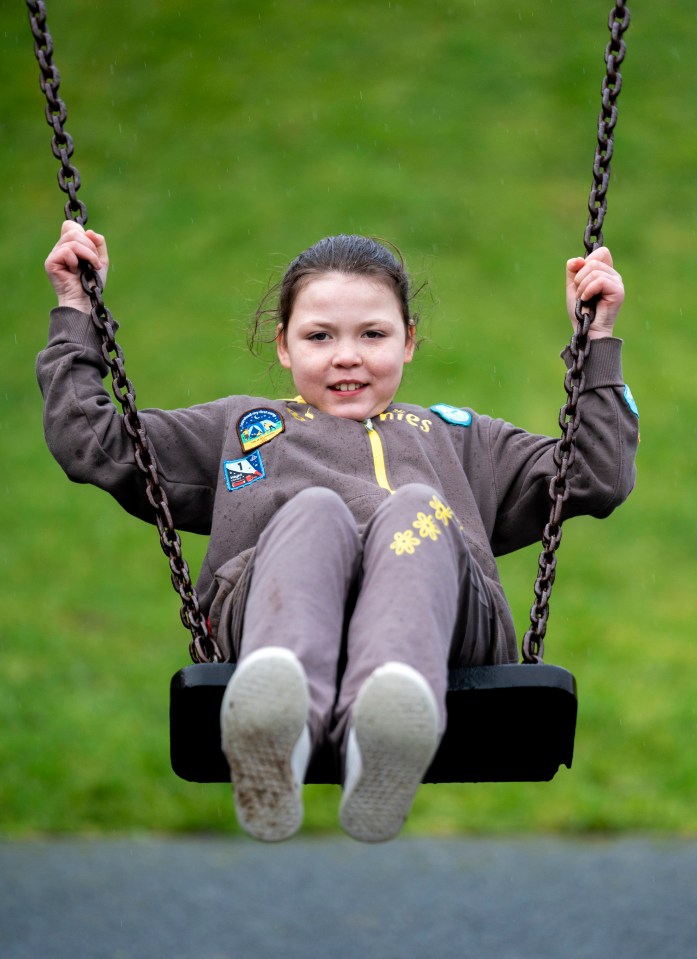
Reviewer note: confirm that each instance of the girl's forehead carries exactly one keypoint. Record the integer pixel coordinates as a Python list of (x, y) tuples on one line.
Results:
[(357, 288)]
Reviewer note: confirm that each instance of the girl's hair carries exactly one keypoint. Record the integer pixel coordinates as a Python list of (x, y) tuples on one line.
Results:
[(353, 255)]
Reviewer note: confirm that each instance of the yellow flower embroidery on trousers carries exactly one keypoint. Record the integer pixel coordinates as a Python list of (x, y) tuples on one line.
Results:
[(426, 525), (404, 542), (443, 512)]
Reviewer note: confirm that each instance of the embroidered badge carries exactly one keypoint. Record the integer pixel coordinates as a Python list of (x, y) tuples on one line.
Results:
[(244, 472), (630, 401), (300, 417), (259, 426), (452, 414)]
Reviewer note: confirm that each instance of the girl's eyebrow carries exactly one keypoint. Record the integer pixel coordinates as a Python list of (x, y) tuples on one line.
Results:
[(319, 320)]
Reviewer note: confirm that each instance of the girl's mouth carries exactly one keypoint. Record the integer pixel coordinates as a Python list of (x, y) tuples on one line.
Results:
[(347, 387)]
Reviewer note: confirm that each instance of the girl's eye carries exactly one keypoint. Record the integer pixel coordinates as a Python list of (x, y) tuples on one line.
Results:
[(373, 334), (319, 337)]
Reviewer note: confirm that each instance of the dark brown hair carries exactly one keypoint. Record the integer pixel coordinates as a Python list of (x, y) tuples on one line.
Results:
[(349, 254)]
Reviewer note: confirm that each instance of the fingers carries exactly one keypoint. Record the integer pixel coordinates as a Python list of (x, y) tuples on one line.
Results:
[(77, 244), (100, 246), (595, 278), (63, 264), (602, 254)]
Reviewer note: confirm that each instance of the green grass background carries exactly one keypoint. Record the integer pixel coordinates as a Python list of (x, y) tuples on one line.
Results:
[(217, 140)]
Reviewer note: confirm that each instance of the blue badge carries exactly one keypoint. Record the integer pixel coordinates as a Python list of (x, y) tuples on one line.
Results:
[(259, 426), (453, 414), (630, 401), (244, 472)]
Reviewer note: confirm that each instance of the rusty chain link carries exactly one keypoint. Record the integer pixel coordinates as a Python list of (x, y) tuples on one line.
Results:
[(203, 647), (569, 416)]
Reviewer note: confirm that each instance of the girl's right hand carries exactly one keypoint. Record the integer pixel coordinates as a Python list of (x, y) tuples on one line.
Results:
[(62, 264)]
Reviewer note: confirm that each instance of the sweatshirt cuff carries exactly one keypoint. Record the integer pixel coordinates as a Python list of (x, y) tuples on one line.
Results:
[(67, 325), (603, 366)]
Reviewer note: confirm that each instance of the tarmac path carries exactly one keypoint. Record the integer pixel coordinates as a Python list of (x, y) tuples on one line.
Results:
[(213, 898)]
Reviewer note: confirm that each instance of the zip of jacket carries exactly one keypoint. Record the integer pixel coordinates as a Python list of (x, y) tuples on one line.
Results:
[(378, 452)]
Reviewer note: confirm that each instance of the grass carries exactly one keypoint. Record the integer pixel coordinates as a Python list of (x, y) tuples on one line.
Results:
[(215, 143)]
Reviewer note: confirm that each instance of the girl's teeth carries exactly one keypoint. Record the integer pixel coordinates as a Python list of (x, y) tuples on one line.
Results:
[(346, 387)]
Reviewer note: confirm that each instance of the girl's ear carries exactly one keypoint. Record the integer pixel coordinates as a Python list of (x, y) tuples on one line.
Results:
[(282, 348), (410, 345)]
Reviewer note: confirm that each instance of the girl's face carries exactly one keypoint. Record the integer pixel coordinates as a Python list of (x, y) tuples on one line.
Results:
[(346, 344)]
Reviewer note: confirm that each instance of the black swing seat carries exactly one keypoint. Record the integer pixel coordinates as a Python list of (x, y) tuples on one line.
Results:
[(512, 723)]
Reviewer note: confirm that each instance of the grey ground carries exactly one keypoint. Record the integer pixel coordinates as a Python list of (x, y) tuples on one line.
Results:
[(214, 898)]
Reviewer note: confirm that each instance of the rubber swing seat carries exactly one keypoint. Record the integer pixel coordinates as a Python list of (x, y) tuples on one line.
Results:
[(511, 723)]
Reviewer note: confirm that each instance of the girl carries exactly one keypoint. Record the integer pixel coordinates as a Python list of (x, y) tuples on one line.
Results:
[(352, 540)]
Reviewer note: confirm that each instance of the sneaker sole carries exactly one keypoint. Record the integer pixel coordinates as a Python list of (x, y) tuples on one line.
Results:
[(263, 717), (395, 723)]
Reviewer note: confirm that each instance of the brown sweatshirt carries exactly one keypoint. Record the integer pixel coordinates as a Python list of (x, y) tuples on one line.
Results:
[(228, 465)]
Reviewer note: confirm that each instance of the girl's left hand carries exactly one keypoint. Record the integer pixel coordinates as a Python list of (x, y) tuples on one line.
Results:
[(595, 277)]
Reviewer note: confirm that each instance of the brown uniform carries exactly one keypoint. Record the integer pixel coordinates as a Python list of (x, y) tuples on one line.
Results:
[(423, 499)]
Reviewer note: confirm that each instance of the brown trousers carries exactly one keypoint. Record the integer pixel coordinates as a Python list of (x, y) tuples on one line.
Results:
[(405, 589)]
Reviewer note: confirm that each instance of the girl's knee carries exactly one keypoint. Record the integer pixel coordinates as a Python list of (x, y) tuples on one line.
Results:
[(319, 500), (416, 514), (418, 490), (418, 496), (319, 508)]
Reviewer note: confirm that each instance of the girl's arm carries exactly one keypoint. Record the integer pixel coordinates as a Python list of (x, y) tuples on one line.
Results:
[(85, 430), (603, 472)]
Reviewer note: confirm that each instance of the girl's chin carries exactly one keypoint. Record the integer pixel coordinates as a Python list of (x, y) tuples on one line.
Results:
[(353, 405)]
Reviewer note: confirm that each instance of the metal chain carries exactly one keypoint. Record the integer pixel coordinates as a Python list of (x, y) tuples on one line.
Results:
[(203, 647), (569, 416)]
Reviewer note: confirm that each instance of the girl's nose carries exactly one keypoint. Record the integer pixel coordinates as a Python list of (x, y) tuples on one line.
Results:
[(346, 354)]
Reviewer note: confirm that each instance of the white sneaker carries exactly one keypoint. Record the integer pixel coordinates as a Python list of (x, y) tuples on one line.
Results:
[(265, 737), (392, 740)]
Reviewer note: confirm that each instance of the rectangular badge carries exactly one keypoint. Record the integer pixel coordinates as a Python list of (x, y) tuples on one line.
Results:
[(244, 472)]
